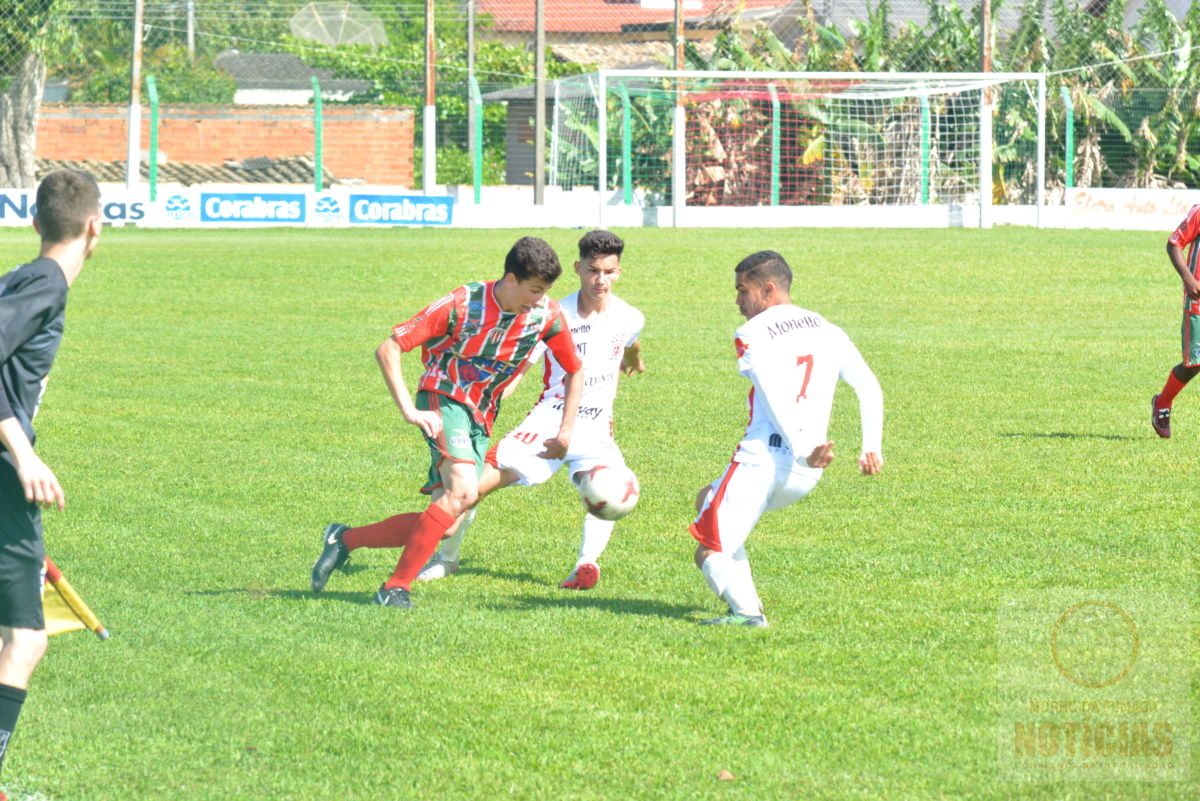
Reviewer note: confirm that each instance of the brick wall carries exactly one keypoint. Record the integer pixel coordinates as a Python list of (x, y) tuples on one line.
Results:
[(374, 143)]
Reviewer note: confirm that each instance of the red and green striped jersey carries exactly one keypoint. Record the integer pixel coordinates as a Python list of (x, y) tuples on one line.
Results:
[(472, 348), (1187, 235)]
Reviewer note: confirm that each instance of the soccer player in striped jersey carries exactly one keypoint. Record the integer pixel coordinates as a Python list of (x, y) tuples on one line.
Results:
[(1188, 267), (473, 342), (793, 358), (607, 332)]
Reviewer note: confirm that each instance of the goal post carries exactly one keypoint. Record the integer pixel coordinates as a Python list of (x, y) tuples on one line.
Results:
[(787, 148)]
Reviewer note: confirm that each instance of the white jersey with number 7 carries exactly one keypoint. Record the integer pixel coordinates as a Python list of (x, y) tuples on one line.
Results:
[(794, 358)]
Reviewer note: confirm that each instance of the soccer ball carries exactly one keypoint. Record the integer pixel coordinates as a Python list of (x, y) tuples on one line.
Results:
[(609, 492)]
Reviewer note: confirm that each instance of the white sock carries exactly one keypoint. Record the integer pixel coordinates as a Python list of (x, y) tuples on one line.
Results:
[(596, 533), (742, 594), (716, 570), (452, 544)]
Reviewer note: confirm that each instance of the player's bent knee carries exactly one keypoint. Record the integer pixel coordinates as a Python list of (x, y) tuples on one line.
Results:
[(702, 553), (507, 478), (1186, 374), (459, 501)]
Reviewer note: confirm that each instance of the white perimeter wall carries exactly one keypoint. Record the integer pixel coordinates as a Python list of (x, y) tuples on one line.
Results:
[(241, 205)]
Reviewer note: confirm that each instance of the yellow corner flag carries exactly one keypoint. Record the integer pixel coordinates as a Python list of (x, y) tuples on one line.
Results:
[(65, 610)]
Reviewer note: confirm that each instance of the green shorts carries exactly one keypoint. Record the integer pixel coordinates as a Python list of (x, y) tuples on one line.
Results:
[(1190, 333), (461, 440)]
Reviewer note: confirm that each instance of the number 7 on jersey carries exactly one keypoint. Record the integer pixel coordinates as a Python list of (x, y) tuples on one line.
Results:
[(807, 361)]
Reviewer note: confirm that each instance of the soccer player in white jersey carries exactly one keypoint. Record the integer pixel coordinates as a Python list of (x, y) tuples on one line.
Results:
[(793, 358), (606, 332)]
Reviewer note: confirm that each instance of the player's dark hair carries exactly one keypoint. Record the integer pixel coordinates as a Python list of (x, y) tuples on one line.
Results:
[(600, 243), (65, 201), (763, 266), (531, 257)]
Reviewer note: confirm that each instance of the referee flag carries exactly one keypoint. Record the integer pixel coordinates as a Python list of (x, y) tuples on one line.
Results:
[(65, 610)]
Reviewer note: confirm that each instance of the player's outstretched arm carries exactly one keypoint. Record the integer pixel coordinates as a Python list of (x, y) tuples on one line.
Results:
[(858, 375), (511, 387), (556, 446), (388, 355), (1191, 286), (631, 362), (39, 482)]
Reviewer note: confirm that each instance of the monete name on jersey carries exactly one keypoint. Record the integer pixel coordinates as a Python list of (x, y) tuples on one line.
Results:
[(793, 324)]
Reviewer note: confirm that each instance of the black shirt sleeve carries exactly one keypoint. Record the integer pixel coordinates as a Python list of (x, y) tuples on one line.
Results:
[(30, 298), (24, 310)]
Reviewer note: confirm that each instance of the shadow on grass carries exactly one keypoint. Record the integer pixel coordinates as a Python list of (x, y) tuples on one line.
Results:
[(1066, 435), (259, 593), (616, 606), (525, 578), (569, 599)]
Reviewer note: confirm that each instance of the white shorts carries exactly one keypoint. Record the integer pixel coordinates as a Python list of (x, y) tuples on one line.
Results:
[(591, 445), (736, 501)]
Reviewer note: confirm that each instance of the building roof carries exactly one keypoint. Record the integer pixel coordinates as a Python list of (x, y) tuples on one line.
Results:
[(606, 16), (292, 170), (563, 89), (282, 71), (623, 55)]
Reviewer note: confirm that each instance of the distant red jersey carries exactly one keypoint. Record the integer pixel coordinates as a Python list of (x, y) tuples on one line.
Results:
[(1186, 234), (472, 348)]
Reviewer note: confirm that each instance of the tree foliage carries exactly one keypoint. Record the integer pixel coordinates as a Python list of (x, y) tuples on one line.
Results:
[(1136, 93), (101, 73), (397, 74), (29, 29)]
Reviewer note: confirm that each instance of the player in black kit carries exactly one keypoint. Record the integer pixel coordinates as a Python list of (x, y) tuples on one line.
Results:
[(33, 299)]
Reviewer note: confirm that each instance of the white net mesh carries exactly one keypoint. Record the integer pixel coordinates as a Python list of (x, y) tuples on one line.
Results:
[(789, 139)]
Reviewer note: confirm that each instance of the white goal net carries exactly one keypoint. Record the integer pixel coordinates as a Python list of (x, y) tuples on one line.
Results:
[(694, 140)]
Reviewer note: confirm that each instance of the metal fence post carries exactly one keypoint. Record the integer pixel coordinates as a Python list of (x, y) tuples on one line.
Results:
[(924, 149), (152, 90), (602, 145), (318, 168), (678, 157), (774, 144), (477, 137), (1069, 121), (626, 145)]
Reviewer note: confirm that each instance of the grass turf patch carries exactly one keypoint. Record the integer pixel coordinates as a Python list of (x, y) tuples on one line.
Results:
[(216, 403)]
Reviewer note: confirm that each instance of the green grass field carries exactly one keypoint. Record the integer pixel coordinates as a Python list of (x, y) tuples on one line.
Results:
[(216, 403)]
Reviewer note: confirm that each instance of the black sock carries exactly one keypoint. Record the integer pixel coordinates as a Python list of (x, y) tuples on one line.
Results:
[(11, 700)]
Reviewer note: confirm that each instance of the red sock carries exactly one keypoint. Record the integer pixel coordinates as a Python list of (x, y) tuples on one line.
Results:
[(430, 529), (1170, 390), (391, 533)]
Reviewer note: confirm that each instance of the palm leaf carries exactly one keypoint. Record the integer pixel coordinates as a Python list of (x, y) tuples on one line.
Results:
[(1107, 115)]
